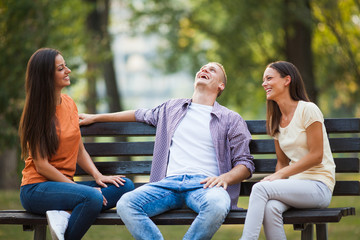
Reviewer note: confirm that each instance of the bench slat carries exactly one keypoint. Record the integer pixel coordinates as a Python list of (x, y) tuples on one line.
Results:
[(256, 127), (342, 188), (118, 129), (337, 145), (21, 217), (341, 145), (333, 125), (347, 188), (259, 146), (120, 168), (343, 165), (317, 215), (120, 149), (186, 216), (347, 165), (342, 125)]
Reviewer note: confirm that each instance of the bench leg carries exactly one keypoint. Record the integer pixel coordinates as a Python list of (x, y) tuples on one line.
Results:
[(308, 232), (322, 231), (40, 232)]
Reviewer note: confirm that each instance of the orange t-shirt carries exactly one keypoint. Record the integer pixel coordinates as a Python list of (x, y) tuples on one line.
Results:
[(69, 139)]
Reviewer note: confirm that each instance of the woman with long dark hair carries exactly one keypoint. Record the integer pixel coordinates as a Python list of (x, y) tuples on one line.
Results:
[(305, 171), (52, 146)]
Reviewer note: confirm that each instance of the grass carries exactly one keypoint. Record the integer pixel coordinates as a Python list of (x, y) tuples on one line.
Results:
[(348, 228)]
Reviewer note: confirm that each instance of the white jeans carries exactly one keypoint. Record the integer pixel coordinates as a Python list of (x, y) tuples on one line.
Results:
[(268, 200)]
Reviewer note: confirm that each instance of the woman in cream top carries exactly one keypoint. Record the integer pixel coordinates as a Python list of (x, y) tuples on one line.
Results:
[(305, 169), (293, 141)]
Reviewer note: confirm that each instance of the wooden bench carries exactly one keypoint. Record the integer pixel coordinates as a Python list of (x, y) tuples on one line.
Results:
[(115, 155)]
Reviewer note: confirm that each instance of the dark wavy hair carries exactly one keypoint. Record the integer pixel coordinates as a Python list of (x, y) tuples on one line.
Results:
[(37, 128), (297, 92)]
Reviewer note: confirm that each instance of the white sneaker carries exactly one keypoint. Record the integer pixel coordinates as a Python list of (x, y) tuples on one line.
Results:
[(58, 222)]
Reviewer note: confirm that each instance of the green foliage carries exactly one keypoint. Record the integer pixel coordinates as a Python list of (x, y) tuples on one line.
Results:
[(337, 63), (239, 34), (26, 26), (246, 35), (243, 35)]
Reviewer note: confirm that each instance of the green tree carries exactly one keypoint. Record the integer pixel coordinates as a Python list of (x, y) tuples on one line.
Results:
[(337, 59), (79, 29), (26, 26), (247, 35)]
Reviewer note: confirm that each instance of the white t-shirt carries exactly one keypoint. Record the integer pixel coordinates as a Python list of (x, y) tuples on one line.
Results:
[(192, 150), (293, 142)]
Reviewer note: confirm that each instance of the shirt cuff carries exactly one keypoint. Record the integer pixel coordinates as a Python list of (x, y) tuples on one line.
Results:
[(249, 165), (140, 115)]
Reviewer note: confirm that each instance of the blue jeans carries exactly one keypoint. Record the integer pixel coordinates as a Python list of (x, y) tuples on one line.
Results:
[(82, 199), (211, 204)]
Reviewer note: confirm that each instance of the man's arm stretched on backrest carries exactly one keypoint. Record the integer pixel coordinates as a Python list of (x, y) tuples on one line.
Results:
[(124, 116)]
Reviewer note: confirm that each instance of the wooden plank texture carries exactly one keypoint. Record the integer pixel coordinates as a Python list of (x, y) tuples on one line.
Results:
[(118, 129), (343, 165), (261, 146), (343, 125), (120, 149), (186, 216), (342, 188)]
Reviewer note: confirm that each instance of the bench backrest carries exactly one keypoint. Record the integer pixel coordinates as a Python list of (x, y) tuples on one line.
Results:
[(126, 148)]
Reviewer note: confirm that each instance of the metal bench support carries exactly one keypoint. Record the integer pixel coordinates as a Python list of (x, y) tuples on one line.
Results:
[(40, 232), (308, 232), (322, 231)]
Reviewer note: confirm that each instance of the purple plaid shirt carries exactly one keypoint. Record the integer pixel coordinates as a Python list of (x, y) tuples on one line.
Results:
[(229, 132)]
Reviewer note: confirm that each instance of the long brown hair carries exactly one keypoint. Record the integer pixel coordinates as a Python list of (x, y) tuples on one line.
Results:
[(37, 128), (297, 92)]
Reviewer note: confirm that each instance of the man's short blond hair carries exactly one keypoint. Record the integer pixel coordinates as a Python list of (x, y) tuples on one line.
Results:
[(224, 72)]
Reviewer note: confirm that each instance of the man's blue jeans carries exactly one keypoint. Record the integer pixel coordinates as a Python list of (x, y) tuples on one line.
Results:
[(82, 199), (211, 204)]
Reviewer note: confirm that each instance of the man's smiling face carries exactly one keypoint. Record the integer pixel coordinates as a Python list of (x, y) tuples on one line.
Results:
[(211, 76)]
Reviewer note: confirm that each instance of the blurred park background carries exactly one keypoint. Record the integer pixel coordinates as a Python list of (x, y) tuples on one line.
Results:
[(128, 54)]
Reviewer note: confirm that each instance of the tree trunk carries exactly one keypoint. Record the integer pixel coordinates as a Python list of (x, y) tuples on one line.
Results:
[(91, 59), (111, 87), (100, 49), (91, 88), (298, 37), (109, 71), (8, 170)]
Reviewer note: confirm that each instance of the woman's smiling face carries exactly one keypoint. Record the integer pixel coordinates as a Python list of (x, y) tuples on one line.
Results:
[(62, 78), (274, 84)]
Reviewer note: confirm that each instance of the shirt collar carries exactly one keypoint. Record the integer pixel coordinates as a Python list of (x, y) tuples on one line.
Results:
[(215, 111), (187, 103)]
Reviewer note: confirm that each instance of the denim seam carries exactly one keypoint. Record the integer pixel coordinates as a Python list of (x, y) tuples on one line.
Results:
[(152, 200)]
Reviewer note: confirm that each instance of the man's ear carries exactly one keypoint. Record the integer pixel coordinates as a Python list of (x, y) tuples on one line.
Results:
[(221, 86)]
